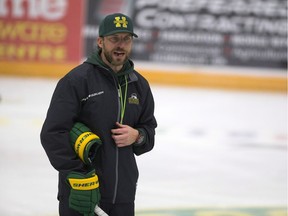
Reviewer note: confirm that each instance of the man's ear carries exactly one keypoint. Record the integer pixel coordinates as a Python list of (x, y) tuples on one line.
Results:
[(100, 42)]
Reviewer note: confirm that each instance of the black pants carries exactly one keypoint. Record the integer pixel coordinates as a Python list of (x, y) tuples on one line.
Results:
[(123, 209)]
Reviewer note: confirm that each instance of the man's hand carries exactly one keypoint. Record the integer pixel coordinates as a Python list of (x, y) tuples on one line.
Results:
[(124, 135)]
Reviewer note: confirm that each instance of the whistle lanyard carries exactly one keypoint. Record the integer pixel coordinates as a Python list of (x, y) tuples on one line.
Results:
[(123, 101)]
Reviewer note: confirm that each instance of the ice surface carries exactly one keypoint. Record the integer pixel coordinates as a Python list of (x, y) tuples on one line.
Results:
[(213, 148)]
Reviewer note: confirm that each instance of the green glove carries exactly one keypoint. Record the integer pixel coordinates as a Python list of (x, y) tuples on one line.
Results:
[(84, 142), (84, 193)]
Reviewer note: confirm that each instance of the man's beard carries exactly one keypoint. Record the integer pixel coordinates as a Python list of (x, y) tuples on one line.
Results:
[(115, 62)]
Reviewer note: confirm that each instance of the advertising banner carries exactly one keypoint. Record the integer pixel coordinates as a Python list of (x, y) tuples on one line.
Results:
[(187, 38), (249, 33), (40, 32), (49, 38)]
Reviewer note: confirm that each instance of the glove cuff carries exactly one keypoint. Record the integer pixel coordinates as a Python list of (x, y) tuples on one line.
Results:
[(83, 141), (79, 181)]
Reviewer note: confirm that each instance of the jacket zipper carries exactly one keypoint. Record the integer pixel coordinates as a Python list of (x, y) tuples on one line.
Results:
[(117, 151)]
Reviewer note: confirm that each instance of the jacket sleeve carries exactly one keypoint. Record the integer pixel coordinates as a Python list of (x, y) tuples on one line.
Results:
[(147, 124), (54, 135)]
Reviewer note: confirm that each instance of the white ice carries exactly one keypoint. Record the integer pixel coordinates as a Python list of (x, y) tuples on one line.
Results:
[(213, 149)]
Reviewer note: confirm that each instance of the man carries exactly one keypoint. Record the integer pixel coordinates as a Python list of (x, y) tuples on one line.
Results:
[(115, 102)]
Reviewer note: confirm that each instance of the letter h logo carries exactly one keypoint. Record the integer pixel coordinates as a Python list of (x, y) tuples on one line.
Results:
[(119, 22)]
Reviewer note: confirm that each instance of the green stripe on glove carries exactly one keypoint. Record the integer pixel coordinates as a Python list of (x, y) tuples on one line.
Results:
[(84, 193)]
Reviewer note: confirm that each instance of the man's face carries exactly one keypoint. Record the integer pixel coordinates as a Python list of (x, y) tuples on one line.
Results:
[(116, 48)]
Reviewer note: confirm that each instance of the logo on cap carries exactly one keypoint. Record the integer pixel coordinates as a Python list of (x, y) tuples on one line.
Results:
[(119, 22)]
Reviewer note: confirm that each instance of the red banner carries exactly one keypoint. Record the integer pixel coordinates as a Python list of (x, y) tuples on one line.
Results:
[(43, 31)]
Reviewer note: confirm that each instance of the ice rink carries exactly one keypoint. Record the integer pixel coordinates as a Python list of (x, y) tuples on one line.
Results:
[(214, 150)]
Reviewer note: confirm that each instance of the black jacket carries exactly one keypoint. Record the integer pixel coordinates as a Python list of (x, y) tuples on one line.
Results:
[(89, 94)]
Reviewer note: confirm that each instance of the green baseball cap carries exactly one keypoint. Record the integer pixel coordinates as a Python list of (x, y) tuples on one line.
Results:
[(116, 23)]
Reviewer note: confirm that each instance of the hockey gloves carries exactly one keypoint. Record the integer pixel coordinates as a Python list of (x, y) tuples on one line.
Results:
[(84, 142), (84, 194)]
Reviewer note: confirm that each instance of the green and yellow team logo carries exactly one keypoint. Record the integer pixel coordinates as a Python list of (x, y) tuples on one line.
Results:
[(133, 99), (120, 22)]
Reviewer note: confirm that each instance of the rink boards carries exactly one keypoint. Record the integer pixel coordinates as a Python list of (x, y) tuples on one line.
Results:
[(246, 79), (264, 211)]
